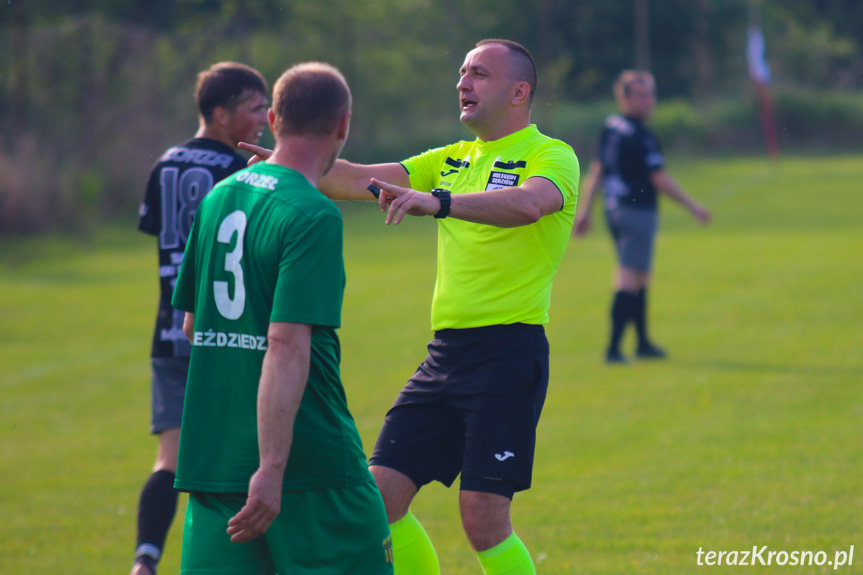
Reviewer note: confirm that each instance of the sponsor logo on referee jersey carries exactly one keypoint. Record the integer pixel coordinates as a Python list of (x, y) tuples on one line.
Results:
[(498, 180), (455, 166)]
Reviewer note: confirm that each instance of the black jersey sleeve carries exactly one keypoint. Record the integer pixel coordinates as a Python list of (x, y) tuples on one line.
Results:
[(149, 213), (649, 151)]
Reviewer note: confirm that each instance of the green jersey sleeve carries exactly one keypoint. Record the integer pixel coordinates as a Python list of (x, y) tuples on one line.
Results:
[(311, 279), (184, 291)]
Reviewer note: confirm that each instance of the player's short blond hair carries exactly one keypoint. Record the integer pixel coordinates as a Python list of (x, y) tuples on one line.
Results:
[(629, 77), (310, 99)]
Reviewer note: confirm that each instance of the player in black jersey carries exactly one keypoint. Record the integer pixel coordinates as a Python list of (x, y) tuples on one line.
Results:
[(232, 107), (630, 169)]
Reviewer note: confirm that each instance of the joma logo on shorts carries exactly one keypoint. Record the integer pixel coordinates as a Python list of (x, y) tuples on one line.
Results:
[(503, 456), (387, 546)]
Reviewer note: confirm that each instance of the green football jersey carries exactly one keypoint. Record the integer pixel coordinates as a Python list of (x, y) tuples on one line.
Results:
[(265, 246), (488, 275)]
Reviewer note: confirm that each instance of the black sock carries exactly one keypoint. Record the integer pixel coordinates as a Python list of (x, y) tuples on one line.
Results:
[(622, 310), (155, 513), (640, 316)]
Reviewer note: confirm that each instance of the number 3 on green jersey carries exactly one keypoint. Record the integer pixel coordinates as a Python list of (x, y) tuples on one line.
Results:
[(235, 222)]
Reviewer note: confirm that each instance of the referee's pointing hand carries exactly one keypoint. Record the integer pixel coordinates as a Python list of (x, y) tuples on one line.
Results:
[(398, 202)]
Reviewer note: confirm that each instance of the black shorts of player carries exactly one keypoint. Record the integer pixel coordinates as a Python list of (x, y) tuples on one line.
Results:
[(633, 231), (472, 407)]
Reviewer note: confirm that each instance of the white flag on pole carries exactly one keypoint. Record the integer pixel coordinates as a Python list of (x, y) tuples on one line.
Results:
[(758, 68)]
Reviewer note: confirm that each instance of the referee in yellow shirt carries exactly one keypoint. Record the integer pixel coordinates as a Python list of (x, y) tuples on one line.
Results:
[(505, 203)]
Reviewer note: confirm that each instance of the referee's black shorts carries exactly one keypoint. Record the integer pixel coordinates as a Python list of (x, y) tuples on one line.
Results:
[(472, 407)]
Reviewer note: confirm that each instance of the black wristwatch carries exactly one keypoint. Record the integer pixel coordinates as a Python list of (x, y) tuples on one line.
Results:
[(445, 202)]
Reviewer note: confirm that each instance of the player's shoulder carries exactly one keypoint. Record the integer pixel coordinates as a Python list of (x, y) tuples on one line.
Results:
[(460, 147), (286, 187), (542, 140), (434, 159), (204, 153), (620, 125), (541, 144)]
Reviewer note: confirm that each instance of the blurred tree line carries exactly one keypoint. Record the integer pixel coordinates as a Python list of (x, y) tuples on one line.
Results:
[(93, 91)]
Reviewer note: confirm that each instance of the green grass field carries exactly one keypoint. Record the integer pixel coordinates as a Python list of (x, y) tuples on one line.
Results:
[(750, 434)]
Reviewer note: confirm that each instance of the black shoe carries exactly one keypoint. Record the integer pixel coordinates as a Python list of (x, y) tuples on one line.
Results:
[(613, 356), (650, 351)]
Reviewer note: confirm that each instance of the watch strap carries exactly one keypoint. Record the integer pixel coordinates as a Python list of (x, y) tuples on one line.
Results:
[(445, 202)]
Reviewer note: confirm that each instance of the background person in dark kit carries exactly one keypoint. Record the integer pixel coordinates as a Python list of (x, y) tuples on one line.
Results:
[(232, 107), (630, 169)]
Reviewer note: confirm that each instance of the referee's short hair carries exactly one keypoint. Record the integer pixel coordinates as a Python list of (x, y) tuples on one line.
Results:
[(310, 99), (627, 78), (226, 85), (522, 65)]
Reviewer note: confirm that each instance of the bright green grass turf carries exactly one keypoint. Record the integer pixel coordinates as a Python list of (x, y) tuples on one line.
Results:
[(748, 435)]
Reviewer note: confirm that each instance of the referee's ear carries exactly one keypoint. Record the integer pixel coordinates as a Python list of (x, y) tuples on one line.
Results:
[(521, 94)]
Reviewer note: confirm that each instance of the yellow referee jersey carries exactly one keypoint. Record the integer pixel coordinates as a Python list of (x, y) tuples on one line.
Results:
[(488, 275)]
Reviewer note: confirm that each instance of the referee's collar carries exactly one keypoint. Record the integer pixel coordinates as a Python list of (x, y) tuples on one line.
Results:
[(509, 139)]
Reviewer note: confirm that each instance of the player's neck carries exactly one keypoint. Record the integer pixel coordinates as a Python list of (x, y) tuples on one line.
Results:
[(213, 133), (308, 156), (635, 116)]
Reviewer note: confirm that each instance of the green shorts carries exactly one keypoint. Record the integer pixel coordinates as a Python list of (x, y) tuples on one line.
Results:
[(320, 532)]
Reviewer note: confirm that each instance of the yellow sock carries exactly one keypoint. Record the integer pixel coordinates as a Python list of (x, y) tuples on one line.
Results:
[(509, 557), (413, 552)]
